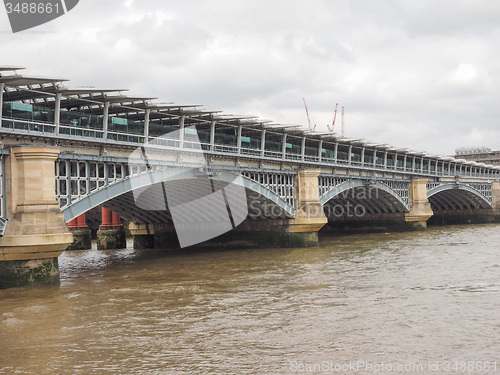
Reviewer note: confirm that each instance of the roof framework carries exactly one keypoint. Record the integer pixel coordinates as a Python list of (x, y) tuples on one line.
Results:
[(53, 94)]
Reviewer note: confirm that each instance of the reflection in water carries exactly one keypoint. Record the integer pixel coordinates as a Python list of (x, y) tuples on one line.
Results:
[(392, 298)]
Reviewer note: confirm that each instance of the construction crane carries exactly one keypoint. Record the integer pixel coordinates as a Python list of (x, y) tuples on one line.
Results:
[(330, 129), (334, 117), (308, 119)]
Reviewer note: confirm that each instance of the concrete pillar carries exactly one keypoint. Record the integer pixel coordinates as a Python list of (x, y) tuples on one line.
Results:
[(105, 120), (181, 130), (2, 86), (81, 234), (146, 126), (303, 149), (420, 208), (320, 150), (111, 234), (36, 232), (263, 143), (309, 214), (283, 147), (238, 139), (143, 235), (57, 113), (212, 135)]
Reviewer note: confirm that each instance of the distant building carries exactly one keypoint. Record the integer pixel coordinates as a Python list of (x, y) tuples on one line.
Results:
[(478, 154)]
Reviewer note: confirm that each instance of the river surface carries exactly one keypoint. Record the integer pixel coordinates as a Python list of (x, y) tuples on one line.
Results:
[(418, 302)]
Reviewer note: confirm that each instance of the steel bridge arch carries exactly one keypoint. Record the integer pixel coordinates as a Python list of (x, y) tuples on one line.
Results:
[(470, 191), (150, 178), (351, 184)]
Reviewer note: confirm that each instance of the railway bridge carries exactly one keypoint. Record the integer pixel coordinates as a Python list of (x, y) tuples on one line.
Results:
[(181, 173)]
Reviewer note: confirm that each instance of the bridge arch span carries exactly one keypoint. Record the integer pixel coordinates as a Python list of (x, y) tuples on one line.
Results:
[(457, 197), (121, 196), (374, 197)]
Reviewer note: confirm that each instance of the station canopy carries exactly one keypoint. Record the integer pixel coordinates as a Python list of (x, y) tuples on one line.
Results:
[(46, 92)]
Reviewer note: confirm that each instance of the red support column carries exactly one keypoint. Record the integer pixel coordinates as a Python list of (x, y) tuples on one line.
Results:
[(81, 234), (106, 218), (115, 220), (80, 221), (73, 224), (111, 234)]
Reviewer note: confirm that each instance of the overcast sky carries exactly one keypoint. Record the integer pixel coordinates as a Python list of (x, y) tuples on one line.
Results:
[(418, 74)]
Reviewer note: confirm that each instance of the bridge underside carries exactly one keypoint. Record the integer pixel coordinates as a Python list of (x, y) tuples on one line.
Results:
[(460, 206), (457, 199), (360, 201), (152, 204)]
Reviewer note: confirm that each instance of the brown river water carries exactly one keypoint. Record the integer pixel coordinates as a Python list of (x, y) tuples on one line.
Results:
[(413, 303)]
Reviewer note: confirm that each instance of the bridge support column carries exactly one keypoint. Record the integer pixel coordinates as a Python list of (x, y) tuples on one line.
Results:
[(111, 234), (495, 187), (81, 234), (143, 235), (36, 233), (420, 208), (309, 216)]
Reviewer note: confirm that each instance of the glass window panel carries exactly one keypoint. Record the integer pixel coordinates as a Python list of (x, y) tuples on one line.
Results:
[(74, 187), (74, 169), (93, 170)]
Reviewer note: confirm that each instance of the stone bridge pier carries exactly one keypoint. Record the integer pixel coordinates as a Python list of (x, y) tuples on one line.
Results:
[(495, 186), (420, 208), (310, 216), (36, 232)]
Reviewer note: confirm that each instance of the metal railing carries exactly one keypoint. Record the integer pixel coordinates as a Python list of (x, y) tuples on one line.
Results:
[(29, 127), (65, 129)]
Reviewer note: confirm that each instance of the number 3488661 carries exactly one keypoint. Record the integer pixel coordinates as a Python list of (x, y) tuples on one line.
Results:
[(32, 8)]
